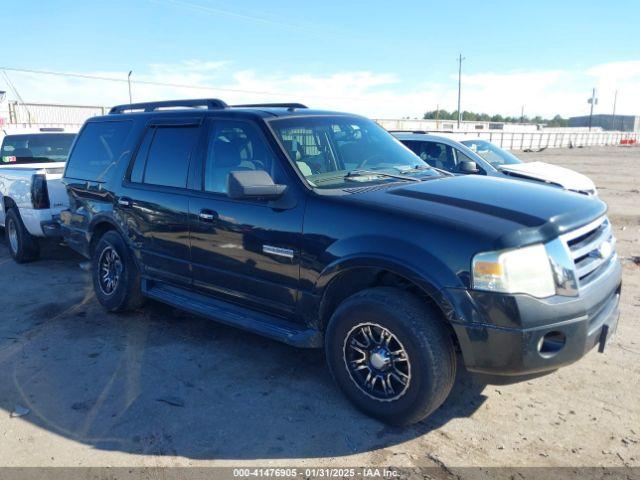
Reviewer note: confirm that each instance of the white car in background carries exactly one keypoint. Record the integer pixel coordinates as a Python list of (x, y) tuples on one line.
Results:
[(31, 191), (464, 155)]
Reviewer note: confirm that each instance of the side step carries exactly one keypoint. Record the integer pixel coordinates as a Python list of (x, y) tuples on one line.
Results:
[(234, 315)]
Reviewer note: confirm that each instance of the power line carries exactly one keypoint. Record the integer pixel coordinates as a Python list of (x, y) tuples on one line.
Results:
[(307, 29), (163, 84), (16, 93)]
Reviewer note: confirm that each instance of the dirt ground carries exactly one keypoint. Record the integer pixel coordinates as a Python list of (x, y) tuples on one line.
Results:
[(160, 387)]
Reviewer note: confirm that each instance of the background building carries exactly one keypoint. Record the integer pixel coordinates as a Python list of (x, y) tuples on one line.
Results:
[(619, 123)]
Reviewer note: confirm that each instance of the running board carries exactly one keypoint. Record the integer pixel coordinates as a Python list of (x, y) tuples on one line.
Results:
[(230, 314)]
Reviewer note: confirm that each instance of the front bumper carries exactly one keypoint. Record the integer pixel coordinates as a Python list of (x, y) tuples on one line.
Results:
[(503, 334)]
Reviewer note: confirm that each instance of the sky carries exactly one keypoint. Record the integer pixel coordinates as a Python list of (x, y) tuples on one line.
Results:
[(378, 58)]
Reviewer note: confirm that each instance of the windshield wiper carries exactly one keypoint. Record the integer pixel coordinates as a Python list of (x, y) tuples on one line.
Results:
[(363, 173), (420, 168)]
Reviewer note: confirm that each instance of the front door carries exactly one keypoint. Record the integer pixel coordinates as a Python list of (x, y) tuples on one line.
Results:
[(155, 202), (245, 251)]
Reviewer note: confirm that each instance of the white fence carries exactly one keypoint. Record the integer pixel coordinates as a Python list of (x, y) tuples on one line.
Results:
[(538, 140), (39, 113)]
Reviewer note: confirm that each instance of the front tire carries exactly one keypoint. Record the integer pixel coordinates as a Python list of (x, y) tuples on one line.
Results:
[(391, 354), (23, 246), (116, 279)]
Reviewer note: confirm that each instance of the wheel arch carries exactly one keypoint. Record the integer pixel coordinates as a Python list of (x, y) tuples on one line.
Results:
[(8, 203), (99, 226), (341, 280)]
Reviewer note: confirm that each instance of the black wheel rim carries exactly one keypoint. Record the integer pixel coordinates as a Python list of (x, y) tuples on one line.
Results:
[(377, 362), (109, 270)]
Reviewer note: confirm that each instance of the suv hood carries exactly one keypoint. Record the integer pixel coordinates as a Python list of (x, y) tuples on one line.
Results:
[(508, 213), (546, 172)]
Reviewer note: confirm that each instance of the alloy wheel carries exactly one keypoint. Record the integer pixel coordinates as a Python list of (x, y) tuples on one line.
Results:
[(377, 362)]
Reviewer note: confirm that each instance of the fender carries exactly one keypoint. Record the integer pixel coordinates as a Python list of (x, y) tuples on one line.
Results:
[(104, 218), (409, 261)]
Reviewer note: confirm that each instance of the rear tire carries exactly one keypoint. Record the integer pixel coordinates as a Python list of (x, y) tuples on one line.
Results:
[(406, 369), (116, 279), (23, 246)]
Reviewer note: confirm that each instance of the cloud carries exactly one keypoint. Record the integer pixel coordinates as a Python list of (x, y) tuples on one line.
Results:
[(375, 94)]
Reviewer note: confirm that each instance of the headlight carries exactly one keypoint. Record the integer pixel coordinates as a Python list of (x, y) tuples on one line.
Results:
[(522, 270)]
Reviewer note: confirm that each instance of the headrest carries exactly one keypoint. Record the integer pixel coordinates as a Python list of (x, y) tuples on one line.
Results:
[(432, 149), (226, 154)]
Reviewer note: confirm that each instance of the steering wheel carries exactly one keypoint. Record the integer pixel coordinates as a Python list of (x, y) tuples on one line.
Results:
[(366, 160)]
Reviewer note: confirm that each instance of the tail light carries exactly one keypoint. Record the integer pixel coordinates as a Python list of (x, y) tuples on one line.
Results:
[(39, 192)]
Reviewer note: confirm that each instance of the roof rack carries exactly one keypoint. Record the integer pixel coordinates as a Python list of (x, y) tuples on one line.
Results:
[(209, 103), (267, 105)]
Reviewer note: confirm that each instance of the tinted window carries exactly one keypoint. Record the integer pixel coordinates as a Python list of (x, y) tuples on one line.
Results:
[(435, 154), (137, 172), (235, 146), (169, 154), (36, 148), (97, 149)]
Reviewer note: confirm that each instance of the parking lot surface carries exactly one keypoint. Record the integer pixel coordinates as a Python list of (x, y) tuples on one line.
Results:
[(163, 388)]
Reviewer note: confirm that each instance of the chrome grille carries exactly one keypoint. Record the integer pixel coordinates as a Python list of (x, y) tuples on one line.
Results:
[(591, 247)]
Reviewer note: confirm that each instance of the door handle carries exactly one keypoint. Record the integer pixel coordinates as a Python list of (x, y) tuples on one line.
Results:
[(207, 215), (125, 202)]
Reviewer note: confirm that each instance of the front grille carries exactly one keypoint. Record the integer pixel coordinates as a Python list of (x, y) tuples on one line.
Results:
[(591, 247)]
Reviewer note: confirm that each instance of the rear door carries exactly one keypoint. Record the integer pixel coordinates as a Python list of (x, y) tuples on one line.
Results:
[(154, 200), (245, 250)]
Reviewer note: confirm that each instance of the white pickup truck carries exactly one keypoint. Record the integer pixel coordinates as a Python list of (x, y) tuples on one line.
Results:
[(31, 192)]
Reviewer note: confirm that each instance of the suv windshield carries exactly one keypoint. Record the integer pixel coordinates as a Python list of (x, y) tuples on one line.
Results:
[(496, 156), (337, 151), (35, 148)]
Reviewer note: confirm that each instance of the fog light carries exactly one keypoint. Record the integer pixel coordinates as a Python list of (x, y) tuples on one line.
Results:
[(551, 343)]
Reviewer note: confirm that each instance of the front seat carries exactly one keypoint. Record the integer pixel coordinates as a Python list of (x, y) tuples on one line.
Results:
[(294, 148), (226, 159), (431, 153)]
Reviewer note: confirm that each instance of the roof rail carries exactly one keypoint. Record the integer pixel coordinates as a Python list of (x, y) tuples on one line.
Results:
[(267, 105), (209, 103)]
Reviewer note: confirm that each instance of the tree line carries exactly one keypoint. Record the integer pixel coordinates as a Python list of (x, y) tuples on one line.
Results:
[(556, 121)]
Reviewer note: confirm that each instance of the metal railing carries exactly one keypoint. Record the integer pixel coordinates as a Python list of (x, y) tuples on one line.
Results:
[(540, 140), (40, 113)]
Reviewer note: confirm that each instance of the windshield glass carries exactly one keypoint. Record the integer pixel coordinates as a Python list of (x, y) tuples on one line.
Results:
[(338, 151), (496, 156), (35, 148)]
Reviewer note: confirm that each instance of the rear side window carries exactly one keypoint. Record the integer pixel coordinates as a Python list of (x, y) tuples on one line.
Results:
[(98, 149), (164, 156)]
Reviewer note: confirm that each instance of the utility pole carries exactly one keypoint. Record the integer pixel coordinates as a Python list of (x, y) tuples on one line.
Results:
[(593, 101), (438, 117), (129, 82), (613, 115), (522, 114), (460, 59)]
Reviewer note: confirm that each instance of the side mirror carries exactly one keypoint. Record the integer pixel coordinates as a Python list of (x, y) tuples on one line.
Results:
[(253, 184), (468, 166)]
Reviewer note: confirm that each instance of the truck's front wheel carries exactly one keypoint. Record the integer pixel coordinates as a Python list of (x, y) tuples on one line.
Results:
[(23, 246), (391, 354)]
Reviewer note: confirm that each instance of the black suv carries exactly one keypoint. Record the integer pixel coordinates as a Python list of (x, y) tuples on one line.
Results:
[(319, 229)]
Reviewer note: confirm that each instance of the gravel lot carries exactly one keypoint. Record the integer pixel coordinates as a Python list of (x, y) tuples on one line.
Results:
[(160, 387)]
